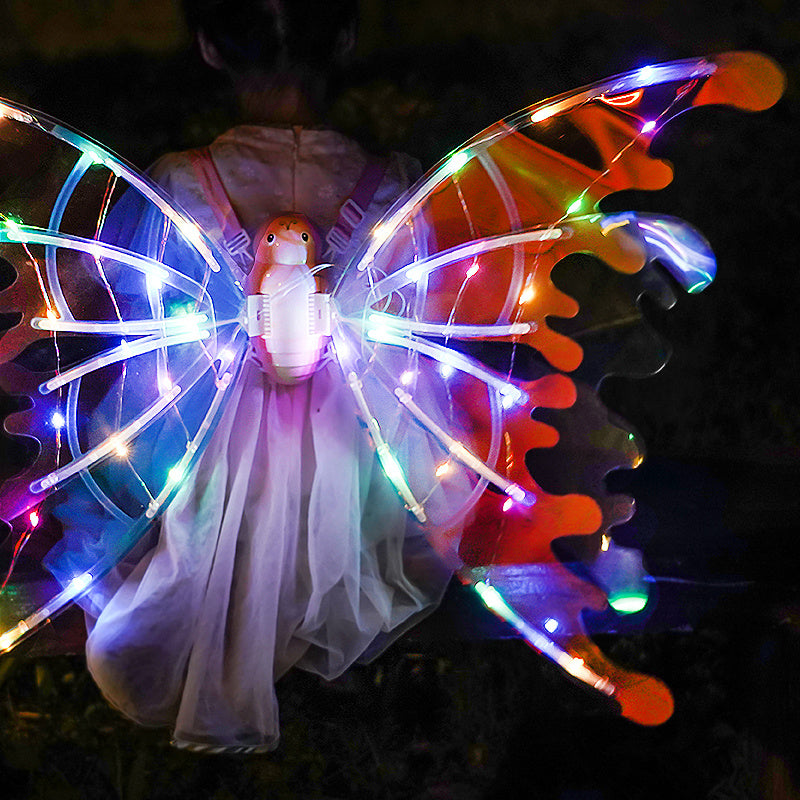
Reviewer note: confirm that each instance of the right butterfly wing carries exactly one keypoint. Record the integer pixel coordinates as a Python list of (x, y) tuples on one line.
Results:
[(127, 336), (474, 341)]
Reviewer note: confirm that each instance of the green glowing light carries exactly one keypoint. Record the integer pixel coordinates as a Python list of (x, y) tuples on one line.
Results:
[(12, 230), (628, 603), (576, 206), (697, 287)]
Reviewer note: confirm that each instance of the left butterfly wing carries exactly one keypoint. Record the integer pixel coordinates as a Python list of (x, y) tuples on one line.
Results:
[(474, 336), (127, 334)]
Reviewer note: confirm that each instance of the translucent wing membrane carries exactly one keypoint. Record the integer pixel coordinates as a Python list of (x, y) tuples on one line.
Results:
[(464, 306), (127, 334)]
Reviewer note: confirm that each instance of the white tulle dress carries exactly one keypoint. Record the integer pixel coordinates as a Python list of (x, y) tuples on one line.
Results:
[(286, 546)]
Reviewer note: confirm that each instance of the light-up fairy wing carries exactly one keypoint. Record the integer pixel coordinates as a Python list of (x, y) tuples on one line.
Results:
[(125, 335), (474, 337)]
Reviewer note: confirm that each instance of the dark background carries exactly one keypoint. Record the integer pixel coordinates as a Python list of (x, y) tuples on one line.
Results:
[(440, 715)]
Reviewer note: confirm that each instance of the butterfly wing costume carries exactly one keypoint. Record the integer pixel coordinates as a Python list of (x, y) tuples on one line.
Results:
[(468, 340)]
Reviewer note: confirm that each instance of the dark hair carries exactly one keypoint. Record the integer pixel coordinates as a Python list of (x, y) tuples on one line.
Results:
[(270, 35)]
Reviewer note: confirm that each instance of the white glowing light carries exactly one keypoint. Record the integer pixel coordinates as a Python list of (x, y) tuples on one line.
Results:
[(472, 270), (510, 395), (551, 625), (380, 233), (33, 518), (528, 293), (446, 370), (648, 126), (443, 469), (456, 162), (12, 113), (646, 74), (79, 583), (57, 420), (507, 503), (543, 113), (407, 377), (175, 474), (13, 232), (119, 448), (415, 273)]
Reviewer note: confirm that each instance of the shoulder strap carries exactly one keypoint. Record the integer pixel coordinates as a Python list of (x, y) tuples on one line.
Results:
[(354, 209), (234, 236)]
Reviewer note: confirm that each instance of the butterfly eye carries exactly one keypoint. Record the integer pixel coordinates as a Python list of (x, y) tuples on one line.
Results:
[(304, 236), (270, 238)]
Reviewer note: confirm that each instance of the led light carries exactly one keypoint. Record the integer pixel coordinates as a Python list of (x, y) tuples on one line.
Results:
[(175, 474), (51, 314), (472, 270), (543, 114), (551, 625), (576, 206), (648, 126), (57, 420), (164, 383), (33, 518), (528, 293), (646, 73), (119, 448), (12, 113), (507, 504), (510, 396), (415, 273), (381, 232), (443, 469), (407, 377), (605, 542), (80, 582), (13, 231), (628, 603), (456, 162), (446, 370)]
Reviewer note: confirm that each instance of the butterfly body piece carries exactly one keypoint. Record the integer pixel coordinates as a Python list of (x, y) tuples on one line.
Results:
[(289, 319), (471, 344)]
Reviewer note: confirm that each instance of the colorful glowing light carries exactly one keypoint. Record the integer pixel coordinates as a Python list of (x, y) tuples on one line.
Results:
[(576, 206), (625, 603), (456, 162), (443, 469), (543, 114)]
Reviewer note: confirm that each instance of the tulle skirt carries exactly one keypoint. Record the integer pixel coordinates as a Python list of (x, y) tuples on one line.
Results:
[(286, 546)]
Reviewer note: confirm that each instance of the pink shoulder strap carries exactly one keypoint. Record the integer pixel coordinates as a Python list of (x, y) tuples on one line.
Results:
[(354, 209), (234, 236)]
